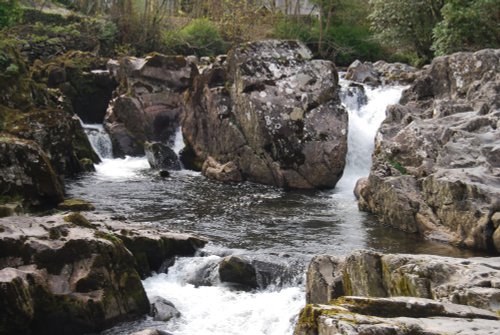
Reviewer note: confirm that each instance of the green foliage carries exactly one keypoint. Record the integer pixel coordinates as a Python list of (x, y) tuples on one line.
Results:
[(294, 29), (406, 25), (10, 12), (200, 37), (467, 25)]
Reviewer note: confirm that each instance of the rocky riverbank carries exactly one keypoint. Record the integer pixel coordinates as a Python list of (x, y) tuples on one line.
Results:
[(435, 167), (373, 293), (79, 273)]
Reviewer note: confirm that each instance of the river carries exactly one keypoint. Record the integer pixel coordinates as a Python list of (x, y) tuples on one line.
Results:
[(263, 223)]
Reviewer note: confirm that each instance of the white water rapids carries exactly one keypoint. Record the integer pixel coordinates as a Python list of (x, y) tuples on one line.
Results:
[(218, 309)]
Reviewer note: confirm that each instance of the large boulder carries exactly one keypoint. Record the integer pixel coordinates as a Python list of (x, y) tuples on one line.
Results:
[(381, 72), (148, 101), (161, 156), (74, 274), (274, 112), (26, 173), (435, 167), (372, 293)]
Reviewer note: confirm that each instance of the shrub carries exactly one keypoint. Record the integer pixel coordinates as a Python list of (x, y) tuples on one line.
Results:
[(10, 12), (200, 37)]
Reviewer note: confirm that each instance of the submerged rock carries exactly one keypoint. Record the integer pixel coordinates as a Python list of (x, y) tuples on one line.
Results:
[(373, 293), (160, 156), (435, 168), (163, 310), (234, 269), (381, 72), (75, 274), (26, 173), (148, 102), (75, 204), (273, 112)]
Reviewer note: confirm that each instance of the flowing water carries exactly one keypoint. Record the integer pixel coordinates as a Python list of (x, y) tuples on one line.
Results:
[(263, 223)]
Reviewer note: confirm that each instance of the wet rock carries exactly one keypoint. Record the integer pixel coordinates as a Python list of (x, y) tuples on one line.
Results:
[(363, 73), (148, 101), (160, 156), (401, 294), (227, 172), (163, 310), (381, 72), (435, 170), (272, 111), (11, 208), (73, 274), (26, 172), (354, 96), (76, 205), (164, 173), (234, 269), (401, 316), (472, 281), (324, 279)]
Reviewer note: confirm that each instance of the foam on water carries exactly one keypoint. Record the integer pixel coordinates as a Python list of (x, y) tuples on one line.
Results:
[(122, 168), (220, 310), (364, 122)]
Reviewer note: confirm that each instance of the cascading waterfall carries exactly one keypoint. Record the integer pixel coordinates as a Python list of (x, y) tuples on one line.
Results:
[(112, 168), (366, 108), (246, 219)]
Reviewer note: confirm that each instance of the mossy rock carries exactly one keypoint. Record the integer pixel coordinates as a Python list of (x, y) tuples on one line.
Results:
[(76, 205), (78, 219)]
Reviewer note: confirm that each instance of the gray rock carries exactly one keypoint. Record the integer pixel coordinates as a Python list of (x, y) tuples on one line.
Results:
[(25, 170), (162, 309), (363, 73), (161, 156), (235, 269), (401, 294), (381, 72), (149, 100), (77, 274), (272, 111), (435, 169), (151, 332), (227, 172)]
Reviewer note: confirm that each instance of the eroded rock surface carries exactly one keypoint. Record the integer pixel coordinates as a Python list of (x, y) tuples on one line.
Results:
[(381, 73), (77, 274), (148, 102), (273, 112), (373, 293), (436, 169)]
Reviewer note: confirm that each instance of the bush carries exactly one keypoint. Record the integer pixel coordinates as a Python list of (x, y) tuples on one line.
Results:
[(10, 12), (200, 37), (293, 29), (467, 25)]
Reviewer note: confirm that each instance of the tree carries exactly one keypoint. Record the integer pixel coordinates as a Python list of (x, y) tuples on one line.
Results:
[(406, 25), (467, 25), (10, 12)]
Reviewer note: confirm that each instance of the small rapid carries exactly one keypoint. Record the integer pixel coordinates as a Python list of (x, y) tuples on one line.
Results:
[(283, 229)]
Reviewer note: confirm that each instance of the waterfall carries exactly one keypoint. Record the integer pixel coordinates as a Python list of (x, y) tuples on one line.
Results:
[(366, 107), (178, 144), (99, 139)]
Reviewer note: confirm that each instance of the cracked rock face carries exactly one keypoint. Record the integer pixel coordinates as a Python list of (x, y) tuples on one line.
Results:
[(436, 167), (273, 112), (372, 293), (148, 102)]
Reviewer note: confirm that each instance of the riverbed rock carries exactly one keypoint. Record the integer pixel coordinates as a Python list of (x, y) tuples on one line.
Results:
[(26, 173), (237, 270), (381, 73), (274, 112), (435, 168), (394, 316), (162, 309), (373, 293), (76, 205), (65, 274), (227, 172), (161, 156), (148, 102)]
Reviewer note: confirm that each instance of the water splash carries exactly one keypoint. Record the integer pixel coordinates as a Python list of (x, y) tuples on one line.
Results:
[(99, 139), (365, 117)]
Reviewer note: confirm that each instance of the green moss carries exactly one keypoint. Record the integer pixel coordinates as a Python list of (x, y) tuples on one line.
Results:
[(308, 318), (108, 236), (78, 219), (398, 166), (54, 233), (75, 204)]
